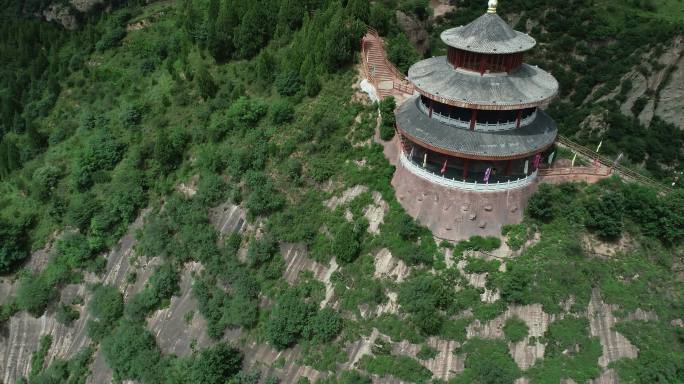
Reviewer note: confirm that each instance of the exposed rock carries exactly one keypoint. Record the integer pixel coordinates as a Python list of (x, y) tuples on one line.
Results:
[(375, 213), (445, 365), (347, 196), (173, 330), (387, 266), (415, 31), (601, 322), (85, 5), (523, 353), (61, 14), (671, 97)]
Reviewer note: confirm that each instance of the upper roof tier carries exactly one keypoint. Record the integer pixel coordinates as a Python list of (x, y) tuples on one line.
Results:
[(488, 34), (525, 87)]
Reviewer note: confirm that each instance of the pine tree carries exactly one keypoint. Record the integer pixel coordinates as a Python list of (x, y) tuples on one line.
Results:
[(359, 9)]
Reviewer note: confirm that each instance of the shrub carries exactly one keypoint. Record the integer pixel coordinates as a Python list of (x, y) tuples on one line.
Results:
[(515, 329), (345, 244), (282, 112), (288, 320), (34, 294), (74, 249), (215, 365), (541, 205), (106, 303), (517, 235), (45, 180), (14, 244), (323, 326), (131, 352), (426, 352), (288, 83), (401, 52), (387, 106), (402, 367), (487, 361), (605, 214), (246, 112), (66, 314)]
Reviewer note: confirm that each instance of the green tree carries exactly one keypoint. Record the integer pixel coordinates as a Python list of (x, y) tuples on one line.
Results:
[(605, 214), (205, 82), (359, 9), (215, 365), (345, 243), (402, 53), (131, 352), (288, 319), (106, 304), (14, 244)]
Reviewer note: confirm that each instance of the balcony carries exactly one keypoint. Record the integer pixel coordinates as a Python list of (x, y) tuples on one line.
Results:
[(483, 127), (464, 185)]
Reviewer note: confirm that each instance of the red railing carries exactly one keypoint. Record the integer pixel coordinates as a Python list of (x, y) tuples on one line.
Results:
[(591, 171), (400, 83)]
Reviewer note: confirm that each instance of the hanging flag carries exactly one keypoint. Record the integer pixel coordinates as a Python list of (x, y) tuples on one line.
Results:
[(411, 154), (527, 166), (617, 160), (488, 172), (537, 159), (599, 146), (573, 160), (425, 161), (551, 157), (444, 168)]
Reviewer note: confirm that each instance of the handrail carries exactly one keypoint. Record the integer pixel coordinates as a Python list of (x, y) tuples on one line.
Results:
[(405, 88), (622, 171), (462, 184), (592, 171)]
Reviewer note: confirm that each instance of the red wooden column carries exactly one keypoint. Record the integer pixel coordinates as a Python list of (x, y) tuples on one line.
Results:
[(473, 119), (509, 166), (465, 169), (518, 118)]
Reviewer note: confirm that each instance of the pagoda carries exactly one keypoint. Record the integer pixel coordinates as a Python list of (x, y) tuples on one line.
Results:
[(476, 121)]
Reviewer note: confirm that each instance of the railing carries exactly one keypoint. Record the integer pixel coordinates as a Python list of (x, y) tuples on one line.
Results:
[(591, 171), (622, 171), (487, 127), (462, 184), (402, 85)]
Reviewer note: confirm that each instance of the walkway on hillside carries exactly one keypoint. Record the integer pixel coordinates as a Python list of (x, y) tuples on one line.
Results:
[(386, 79)]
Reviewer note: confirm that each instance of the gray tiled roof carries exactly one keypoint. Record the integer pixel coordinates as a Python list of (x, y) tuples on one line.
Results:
[(527, 85), (536, 136), (488, 34)]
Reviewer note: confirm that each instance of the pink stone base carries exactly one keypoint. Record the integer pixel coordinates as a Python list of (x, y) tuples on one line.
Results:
[(454, 214)]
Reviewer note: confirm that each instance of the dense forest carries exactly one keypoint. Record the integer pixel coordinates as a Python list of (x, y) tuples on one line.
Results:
[(251, 103)]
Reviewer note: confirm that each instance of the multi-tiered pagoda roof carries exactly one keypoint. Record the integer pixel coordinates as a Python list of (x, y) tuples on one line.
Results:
[(478, 115)]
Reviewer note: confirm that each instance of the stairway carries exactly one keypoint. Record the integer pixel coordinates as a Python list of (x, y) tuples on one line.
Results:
[(381, 72)]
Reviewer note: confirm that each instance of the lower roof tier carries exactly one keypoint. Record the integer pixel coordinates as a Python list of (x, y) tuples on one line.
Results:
[(525, 87), (446, 139)]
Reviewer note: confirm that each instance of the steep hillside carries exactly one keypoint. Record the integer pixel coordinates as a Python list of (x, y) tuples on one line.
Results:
[(195, 191)]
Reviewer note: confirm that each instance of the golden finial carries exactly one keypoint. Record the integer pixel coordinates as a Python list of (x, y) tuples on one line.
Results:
[(492, 6)]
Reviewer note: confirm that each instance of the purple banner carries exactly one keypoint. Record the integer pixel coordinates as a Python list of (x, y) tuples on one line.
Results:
[(488, 172)]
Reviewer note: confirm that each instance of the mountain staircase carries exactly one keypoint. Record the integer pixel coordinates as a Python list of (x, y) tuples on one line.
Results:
[(387, 79)]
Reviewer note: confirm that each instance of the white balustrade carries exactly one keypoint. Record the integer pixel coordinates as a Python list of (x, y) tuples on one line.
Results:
[(486, 127), (464, 185)]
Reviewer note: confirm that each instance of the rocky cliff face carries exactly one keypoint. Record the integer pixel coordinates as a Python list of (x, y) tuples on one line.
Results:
[(68, 14)]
